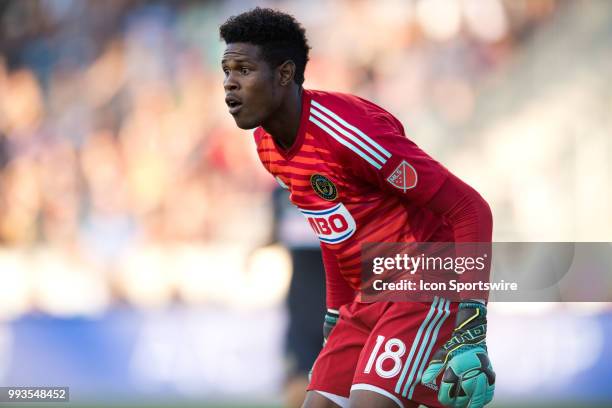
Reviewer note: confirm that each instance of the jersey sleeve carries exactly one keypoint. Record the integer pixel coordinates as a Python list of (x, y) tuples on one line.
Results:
[(471, 220), (383, 156), (468, 214), (338, 291)]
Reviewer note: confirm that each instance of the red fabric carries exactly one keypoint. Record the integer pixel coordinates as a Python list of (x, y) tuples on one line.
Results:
[(382, 186), (338, 291), (344, 359), (470, 219), (464, 210)]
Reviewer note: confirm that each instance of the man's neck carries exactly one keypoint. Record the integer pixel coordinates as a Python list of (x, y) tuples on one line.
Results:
[(286, 122)]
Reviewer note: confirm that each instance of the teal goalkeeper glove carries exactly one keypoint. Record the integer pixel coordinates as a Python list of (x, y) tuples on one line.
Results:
[(468, 380)]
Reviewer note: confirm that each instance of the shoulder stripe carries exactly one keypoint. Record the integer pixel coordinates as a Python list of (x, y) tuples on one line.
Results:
[(374, 144), (349, 135), (346, 143)]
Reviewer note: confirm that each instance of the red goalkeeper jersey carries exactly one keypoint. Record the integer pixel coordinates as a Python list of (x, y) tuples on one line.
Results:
[(357, 178)]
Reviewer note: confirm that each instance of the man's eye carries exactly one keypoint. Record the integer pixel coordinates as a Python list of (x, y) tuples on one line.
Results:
[(245, 71), (226, 71)]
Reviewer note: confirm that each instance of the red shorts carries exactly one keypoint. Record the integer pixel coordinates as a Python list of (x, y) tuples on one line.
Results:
[(384, 347)]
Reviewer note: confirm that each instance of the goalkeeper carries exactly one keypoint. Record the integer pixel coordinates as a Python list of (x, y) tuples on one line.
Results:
[(357, 178)]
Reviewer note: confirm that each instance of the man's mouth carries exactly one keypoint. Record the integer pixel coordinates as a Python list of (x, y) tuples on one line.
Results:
[(234, 104)]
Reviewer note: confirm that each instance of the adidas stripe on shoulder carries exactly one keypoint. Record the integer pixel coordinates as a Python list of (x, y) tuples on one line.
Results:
[(348, 135)]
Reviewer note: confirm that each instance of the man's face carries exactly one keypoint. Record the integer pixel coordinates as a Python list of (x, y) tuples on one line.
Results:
[(252, 89)]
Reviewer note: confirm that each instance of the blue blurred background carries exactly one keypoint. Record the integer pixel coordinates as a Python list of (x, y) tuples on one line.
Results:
[(133, 211)]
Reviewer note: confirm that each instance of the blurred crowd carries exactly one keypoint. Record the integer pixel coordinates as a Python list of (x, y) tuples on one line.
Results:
[(114, 134), (112, 116), (112, 128)]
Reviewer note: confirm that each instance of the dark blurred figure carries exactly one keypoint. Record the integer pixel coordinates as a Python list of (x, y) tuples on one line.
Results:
[(306, 297)]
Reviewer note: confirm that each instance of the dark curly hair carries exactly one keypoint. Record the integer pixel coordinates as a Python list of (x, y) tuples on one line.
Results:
[(280, 36)]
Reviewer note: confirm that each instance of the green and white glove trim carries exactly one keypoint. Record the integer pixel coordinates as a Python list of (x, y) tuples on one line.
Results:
[(331, 318)]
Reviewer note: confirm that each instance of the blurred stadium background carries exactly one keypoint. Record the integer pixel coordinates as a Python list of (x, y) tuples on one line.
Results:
[(131, 208)]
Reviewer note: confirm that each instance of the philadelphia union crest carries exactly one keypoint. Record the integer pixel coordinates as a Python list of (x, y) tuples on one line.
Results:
[(323, 187)]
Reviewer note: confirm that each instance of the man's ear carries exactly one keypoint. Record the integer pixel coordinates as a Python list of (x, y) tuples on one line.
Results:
[(287, 72)]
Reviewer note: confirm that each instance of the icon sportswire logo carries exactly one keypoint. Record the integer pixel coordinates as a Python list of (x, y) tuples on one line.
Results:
[(332, 225)]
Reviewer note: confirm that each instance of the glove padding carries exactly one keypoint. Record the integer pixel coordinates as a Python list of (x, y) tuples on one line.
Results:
[(468, 380)]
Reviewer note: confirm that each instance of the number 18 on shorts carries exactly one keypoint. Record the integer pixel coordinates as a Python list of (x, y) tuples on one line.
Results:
[(384, 347)]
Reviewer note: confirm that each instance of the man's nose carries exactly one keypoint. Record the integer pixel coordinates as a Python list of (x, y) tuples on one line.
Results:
[(230, 83)]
